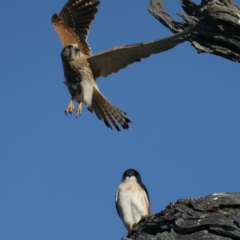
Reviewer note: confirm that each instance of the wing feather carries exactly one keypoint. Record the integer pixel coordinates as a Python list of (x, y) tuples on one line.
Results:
[(112, 60), (73, 22), (116, 203)]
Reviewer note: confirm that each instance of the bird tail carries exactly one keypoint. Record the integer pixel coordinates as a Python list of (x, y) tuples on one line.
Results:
[(107, 112)]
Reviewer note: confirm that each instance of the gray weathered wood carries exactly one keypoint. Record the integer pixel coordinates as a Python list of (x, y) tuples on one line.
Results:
[(218, 27), (217, 216)]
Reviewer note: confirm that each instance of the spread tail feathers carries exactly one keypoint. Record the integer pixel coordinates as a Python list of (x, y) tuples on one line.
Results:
[(107, 112)]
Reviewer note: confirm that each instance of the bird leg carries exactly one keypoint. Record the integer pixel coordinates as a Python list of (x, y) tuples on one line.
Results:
[(131, 227), (70, 107), (79, 109)]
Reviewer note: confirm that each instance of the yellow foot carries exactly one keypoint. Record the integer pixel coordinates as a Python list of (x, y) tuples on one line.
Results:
[(130, 227), (79, 109), (69, 108)]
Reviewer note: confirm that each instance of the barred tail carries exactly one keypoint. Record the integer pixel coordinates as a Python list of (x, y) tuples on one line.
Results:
[(107, 112)]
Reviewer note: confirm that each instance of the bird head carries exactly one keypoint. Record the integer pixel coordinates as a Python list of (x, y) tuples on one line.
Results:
[(71, 52), (131, 174)]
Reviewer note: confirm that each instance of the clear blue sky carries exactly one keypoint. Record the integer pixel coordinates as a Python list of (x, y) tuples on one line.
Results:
[(58, 174)]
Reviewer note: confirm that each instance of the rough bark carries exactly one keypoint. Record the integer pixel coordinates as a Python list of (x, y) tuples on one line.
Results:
[(217, 216), (218, 25)]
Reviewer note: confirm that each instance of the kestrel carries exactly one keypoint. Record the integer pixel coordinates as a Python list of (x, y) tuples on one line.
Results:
[(81, 69), (132, 199)]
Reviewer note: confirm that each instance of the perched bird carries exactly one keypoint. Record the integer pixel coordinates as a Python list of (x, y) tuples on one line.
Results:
[(132, 199), (81, 69)]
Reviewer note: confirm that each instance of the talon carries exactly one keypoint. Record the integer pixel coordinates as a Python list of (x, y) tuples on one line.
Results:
[(79, 109), (69, 108)]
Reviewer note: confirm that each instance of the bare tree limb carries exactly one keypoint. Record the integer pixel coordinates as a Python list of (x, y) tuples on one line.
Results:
[(218, 25)]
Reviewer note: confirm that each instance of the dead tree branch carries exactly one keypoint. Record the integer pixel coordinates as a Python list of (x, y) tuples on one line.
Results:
[(217, 216), (218, 25)]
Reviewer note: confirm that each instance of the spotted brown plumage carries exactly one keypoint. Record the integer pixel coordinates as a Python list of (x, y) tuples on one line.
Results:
[(81, 69)]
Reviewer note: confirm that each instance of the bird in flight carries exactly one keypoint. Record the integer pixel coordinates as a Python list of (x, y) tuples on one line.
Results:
[(81, 68), (132, 199)]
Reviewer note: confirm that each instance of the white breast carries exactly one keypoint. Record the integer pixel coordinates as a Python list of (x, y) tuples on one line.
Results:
[(132, 202)]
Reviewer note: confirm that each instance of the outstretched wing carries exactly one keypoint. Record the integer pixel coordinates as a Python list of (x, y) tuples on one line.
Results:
[(112, 60), (73, 22)]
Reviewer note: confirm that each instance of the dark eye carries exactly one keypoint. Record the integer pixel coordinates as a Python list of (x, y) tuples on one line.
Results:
[(69, 46)]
